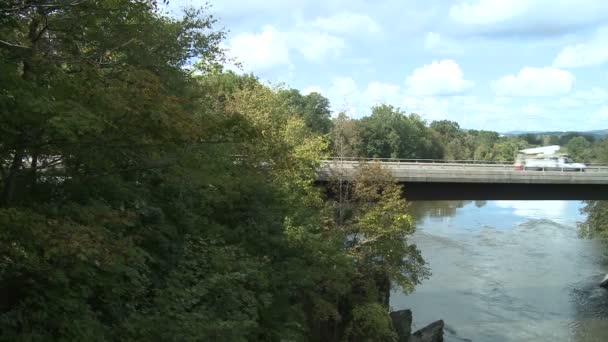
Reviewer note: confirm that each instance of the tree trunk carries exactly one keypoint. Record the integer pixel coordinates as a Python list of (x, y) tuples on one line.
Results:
[(10, 182)]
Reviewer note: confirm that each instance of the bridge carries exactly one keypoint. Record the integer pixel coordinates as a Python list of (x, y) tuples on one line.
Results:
[(426, 179)]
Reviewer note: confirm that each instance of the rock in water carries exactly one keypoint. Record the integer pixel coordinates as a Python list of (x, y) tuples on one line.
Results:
[(604, 282), (431, 333), (402, 323)]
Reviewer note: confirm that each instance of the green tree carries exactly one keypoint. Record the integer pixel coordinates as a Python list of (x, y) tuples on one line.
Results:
[(346, 137), (312, 108), (389, 133), (446, 128), (579, 149), (373, 226), (141, 200)]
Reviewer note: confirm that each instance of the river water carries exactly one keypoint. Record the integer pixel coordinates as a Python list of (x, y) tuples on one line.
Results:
[(508, 271)]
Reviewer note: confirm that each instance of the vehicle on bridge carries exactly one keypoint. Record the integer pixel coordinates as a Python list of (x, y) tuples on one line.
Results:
[(548, 163), (546, 158)]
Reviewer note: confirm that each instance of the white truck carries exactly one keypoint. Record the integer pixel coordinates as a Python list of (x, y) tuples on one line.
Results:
[(549, 163)]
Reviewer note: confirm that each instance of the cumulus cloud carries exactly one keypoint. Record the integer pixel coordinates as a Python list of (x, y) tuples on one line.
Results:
[(260, 50), (488, 11), (345, 95), (442, 77), (316, 46), (271, 47), (528, 17), (535, 82), (594, 95), (590, 53), (346, 23), (582, 98)]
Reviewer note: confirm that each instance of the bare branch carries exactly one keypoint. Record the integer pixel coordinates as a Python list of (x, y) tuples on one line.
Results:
[(12, 45)]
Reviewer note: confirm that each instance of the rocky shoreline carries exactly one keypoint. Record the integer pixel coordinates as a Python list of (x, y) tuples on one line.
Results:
[(402, 323)]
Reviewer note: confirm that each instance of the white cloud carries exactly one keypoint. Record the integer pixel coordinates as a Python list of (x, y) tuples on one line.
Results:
[(316, 46), (347, 23), (434, 42), (581, 55), (260, 50), (271, 47), (582, 98), (312, 89), (535, 82), (488, 11), (594, 95), (528, 17), (438, 78), (590, 53), (569, 102), (532, 110), (379, 93), (342, 95), (345, 95)]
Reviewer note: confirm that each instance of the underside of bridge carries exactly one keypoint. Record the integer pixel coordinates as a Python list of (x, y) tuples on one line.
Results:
[(502, 191)]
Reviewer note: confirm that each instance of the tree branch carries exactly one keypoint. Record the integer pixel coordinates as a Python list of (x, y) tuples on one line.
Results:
[(12, 45)]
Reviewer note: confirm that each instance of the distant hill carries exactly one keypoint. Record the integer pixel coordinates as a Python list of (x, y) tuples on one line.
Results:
[(600, 133)]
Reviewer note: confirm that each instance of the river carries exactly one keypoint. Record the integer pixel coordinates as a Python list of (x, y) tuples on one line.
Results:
[(508, 271)]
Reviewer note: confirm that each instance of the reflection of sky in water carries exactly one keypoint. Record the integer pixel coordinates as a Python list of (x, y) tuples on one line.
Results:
[(468, 217), (564, 212)]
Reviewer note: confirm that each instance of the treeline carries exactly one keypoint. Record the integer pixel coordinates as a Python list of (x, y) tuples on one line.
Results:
[(388, 132), (144, 199)]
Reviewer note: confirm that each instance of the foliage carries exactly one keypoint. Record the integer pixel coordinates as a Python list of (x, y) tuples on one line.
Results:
[(389, 133), (596, 224), (312, 108), (370, 322), (579, 149)]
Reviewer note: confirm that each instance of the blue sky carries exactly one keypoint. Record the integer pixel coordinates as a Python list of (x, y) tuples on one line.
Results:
[(488, 64)]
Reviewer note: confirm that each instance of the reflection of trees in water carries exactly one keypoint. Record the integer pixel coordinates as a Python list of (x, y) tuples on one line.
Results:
[(423, 209)]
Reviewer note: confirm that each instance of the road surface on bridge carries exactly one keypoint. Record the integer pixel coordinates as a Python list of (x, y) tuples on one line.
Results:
[(436, 171)]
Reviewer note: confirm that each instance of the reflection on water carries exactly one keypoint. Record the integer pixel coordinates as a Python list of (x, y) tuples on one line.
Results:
[(508, 271)]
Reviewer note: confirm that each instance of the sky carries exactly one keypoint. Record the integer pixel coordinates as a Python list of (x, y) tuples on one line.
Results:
[(501, 65)]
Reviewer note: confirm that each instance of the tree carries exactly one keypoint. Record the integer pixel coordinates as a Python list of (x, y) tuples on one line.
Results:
[(446, 128), (372, 224), (346, 139), (579, 149), (389, 133), (312, 108)]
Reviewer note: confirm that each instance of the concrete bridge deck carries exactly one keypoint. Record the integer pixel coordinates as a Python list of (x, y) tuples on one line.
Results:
[(460, 172), (475, 180)]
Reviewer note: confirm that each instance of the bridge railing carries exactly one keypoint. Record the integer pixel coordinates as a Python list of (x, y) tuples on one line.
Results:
[(459, 164), (420, 161)]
